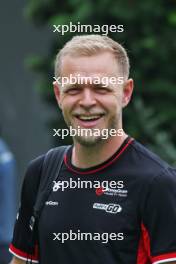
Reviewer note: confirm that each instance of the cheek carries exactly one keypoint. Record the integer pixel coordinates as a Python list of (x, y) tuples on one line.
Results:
[(68, 106), (66, 114), (68, 103), (112, 103), (117, 101)]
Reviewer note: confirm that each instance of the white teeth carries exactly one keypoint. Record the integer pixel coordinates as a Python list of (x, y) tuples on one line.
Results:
[(89, 117)]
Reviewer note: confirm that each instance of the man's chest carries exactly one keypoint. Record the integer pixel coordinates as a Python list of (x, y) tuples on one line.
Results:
[(92, 205)]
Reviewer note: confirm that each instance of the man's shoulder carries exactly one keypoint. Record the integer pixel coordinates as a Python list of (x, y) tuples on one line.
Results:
[(36, 163), (33, 171), (149, 163), (148, 155)]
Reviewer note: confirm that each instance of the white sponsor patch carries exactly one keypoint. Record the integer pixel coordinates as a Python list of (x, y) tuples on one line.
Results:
[(109, 208), (52, 203), (116, 192)]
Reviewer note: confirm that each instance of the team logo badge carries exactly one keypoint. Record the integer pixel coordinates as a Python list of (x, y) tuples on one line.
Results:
[(109, 208)]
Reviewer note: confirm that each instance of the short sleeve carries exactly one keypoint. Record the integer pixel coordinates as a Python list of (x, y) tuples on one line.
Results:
[(159, 219), (20, 243)]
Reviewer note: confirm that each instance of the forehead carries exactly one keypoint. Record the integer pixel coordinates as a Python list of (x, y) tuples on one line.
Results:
[(100, 64)]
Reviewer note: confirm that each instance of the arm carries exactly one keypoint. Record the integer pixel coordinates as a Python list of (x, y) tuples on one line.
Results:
[(17, 261), (160, 218), (21, 237)]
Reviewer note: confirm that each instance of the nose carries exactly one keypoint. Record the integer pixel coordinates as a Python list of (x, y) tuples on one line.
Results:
[(87, 99)]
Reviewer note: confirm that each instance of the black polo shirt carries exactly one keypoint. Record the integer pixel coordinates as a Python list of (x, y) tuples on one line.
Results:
[(131, 223)]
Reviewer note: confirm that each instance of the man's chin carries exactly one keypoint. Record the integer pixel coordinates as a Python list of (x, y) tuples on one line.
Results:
[(88, 141)]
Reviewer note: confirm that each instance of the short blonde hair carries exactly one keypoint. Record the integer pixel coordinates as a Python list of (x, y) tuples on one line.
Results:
[(88, 45)]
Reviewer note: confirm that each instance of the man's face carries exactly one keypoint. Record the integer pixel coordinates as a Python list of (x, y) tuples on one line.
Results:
[(91, 106)]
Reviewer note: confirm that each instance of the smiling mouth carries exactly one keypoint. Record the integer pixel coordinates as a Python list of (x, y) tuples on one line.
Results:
[(89, 118)]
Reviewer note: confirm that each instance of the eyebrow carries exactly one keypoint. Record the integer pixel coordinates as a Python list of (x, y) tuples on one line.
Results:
[(67, 87)]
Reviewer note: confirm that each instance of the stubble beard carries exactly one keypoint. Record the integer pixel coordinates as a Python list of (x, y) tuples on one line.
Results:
[(93, 141)]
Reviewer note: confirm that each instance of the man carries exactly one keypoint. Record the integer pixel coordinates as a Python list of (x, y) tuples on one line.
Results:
[(133, 222)]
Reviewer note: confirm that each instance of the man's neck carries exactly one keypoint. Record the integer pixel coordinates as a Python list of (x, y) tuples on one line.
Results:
[(85, 157)]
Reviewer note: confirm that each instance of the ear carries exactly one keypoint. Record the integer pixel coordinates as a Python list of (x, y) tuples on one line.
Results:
[(127, 92), (57, 93)]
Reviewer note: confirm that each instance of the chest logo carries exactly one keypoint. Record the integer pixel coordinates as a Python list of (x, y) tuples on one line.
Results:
[(109, 208), (51, 203)]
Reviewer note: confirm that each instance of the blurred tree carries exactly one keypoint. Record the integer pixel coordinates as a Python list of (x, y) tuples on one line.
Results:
[(149, 38)]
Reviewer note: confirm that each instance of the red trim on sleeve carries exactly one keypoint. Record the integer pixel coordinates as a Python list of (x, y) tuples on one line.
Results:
[(22, 254), (143, 254), (167, 257)]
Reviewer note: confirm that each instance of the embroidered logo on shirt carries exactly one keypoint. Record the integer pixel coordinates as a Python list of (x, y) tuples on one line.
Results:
[(116, 192), (51, 203), (109, 208), (99, 191)]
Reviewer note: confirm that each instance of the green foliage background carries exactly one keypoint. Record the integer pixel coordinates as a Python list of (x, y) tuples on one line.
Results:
[(149, 37)]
